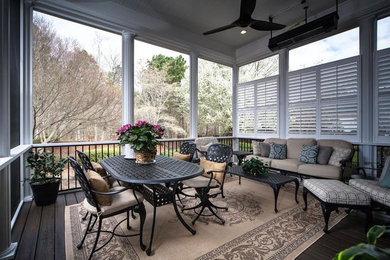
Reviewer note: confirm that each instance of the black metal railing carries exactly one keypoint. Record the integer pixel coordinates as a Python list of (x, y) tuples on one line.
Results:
[(97, 151)]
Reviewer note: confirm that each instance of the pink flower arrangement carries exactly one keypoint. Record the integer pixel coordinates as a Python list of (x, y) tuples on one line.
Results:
[(142, 136)]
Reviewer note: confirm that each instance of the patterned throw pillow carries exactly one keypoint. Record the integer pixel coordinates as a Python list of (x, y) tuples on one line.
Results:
[(278, 151), (309, 154), (338, 155)]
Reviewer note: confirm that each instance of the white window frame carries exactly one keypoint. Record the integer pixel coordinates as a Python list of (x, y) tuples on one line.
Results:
[(255, 108), (318, 135)]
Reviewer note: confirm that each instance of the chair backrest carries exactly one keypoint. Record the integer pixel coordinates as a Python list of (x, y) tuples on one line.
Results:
[(188, 148), (219, 153), (87, 165), (80, 176)]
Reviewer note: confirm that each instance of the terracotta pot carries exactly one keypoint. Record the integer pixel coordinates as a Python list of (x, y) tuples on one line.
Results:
[(144, 157)]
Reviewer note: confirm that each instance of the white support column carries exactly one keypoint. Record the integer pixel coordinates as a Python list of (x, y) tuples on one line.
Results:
[(7, 249), (367, 48), (283, 95), (127, 78), (234, 106), (193, 95), (26, 93)]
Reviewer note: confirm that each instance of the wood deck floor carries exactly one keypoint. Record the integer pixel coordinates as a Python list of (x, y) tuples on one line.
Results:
[(40, 232)]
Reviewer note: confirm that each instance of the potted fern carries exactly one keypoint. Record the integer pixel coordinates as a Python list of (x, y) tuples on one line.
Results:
[(45, 178)]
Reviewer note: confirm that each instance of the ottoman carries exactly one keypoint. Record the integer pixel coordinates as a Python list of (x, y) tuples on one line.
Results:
[(334, 194)]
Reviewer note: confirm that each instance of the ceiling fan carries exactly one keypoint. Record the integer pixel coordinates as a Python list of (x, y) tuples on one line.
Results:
[(245, 20)]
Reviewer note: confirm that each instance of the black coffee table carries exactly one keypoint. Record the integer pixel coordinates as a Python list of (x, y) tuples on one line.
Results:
[(275, 180)]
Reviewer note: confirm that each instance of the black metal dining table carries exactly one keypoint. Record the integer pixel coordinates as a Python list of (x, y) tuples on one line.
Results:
[(157, 181)]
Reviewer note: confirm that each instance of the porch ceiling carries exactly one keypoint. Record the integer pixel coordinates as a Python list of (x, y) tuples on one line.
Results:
[(187, 20)]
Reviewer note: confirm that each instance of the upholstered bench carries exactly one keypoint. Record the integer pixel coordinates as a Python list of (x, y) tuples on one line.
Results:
[(334, 194)]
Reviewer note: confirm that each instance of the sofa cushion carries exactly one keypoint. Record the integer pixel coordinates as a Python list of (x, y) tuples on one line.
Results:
[(321, 171), (275, 140), (265, 160), (294, 146), (324, 153), (336, 143), (372, 188), (286, 164), (277, 151), (338, 155), (309, 154), (337, 192)]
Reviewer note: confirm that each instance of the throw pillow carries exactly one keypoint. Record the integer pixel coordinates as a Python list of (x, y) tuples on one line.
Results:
[(102, 172), (385, 181), (97, 183), (264, 149), (278, 151), (338, 155), (256, 148), (309, 154), (324, 153), (180, 156), (216, 166)]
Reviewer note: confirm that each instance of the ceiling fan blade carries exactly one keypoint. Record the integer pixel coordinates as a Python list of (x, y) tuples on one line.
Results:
[(219, 29), (247, 8), (265, 26)]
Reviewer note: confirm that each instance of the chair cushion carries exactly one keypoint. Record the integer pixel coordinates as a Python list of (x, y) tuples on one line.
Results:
[(278, 151), (321, 171), (338, 155), (337, 192), (216, 166), (372, 188), (199, 182), (180, 156), (120, 201), (324, 153), (265, 160), (309, 154), (385, 168), (97, 183), (294, 146), (99, 169), (286, 164)]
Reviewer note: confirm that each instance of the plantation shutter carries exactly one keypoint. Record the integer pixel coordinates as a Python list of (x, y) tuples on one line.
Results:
[(267, 106), (246, 122), (339, 97), (302, 95), (246, 96), (383, 92)]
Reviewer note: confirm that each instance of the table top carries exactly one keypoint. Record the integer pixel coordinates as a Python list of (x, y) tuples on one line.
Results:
[(164, 170), (270, 178), (241, 153)]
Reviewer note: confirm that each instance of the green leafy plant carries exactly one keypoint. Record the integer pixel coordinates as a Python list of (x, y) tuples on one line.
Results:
[(255, 167), (142, 136), (367, 251), (46, 169)]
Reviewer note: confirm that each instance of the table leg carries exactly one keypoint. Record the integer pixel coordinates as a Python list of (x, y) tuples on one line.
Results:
[(276, 188), (296, 190), (177, 211), (149, 250)]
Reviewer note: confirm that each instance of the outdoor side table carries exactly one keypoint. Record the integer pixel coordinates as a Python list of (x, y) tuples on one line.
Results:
[(272, 179), (151, 179)]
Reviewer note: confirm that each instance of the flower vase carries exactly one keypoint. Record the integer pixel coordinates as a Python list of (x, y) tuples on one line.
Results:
[(144, 157), (129, 152)]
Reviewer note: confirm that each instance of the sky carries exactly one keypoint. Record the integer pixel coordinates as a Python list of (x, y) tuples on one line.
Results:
[(333, 48)]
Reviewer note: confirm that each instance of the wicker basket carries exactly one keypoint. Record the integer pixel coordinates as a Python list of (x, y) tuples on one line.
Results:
[(144, 157)]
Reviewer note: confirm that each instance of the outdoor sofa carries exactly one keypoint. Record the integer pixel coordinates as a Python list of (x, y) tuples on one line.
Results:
[(339, 152)]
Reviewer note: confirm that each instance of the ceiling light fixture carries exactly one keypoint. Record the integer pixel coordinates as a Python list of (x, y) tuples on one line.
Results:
[(243, 32)]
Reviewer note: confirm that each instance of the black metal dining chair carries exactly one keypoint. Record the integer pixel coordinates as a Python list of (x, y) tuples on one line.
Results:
[(218, 153), (188, 148), (123, 200)]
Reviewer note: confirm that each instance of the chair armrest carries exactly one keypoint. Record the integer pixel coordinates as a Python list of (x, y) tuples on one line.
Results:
[(110, 192), (211, 173), (201, 152)]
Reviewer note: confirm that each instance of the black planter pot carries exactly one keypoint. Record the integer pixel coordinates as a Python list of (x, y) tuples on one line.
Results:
[(45, 194)]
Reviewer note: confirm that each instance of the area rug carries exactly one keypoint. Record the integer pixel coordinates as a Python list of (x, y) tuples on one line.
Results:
[(252, 229)]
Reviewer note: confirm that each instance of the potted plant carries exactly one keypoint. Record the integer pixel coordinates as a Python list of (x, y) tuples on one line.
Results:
[(45, 177), (255, 167), (142, 137)]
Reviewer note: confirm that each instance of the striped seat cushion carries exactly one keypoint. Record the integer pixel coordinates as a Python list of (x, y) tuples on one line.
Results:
[(337, 192)]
